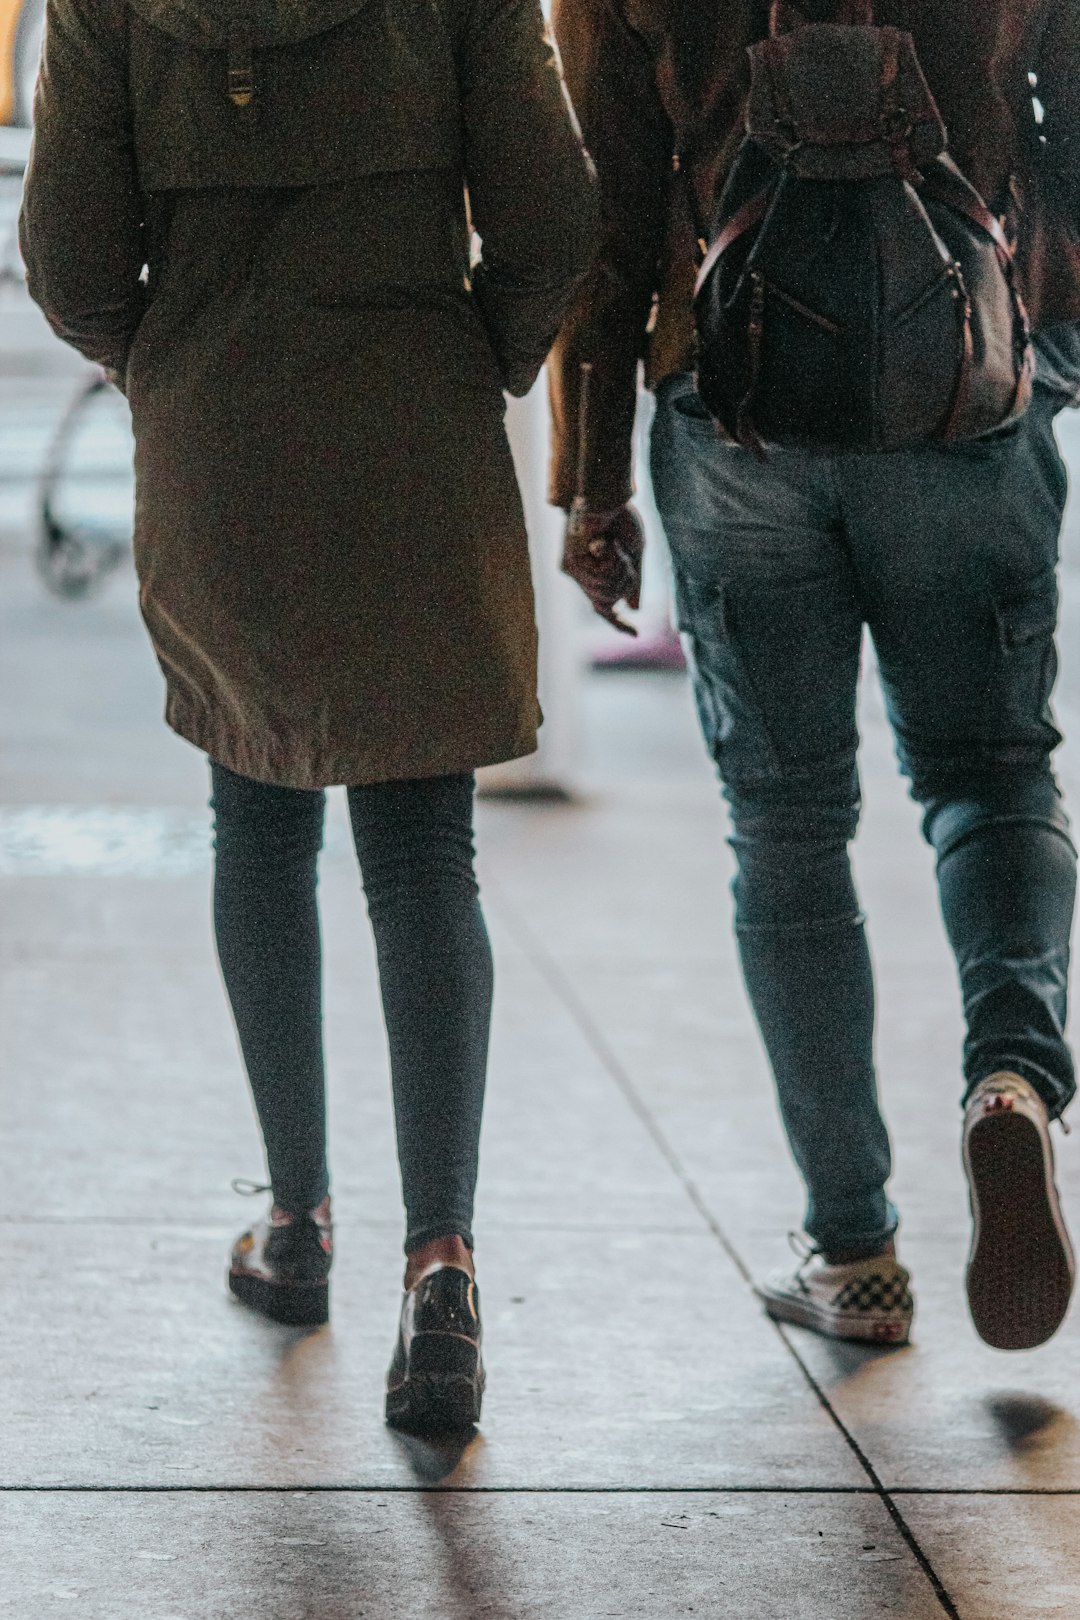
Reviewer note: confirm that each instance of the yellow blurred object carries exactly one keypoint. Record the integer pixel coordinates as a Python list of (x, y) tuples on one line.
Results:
[(10, 12)]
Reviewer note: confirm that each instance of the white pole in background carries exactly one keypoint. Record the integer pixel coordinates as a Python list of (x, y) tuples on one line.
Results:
[(550, 771)]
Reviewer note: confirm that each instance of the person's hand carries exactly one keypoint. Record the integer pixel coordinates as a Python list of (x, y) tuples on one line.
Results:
[(602, 553)]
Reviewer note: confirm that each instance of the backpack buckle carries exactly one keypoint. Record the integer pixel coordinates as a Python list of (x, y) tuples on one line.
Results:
[(896, 125)]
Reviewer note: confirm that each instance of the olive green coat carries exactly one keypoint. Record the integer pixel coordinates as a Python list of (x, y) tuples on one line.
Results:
[(329, 539)]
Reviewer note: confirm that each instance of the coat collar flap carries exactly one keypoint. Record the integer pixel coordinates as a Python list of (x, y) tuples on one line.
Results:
[(209, 23)]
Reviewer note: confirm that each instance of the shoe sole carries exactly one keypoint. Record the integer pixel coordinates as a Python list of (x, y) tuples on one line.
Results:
[(859, 1330), (443, 1389), (295, 1304), (1020, 1271)]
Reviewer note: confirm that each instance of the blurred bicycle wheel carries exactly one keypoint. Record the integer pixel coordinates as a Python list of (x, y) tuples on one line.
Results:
[(86, 494)]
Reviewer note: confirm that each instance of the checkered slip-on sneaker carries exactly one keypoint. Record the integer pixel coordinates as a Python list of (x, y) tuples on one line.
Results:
[(1020, 1270), (869, 1300)]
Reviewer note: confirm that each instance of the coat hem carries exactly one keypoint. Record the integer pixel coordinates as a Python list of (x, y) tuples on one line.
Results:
[(336, 768)]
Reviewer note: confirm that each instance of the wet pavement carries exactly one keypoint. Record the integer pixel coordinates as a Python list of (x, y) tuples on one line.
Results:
[(651, 1445)]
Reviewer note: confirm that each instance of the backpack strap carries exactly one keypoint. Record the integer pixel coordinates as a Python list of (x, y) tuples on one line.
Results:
[(771, 53), (745, 432), (896, 124), (965, 200), (963, 382), (744, 219)]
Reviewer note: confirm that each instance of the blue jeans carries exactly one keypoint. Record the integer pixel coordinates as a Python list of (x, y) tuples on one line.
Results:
[(949, 557)]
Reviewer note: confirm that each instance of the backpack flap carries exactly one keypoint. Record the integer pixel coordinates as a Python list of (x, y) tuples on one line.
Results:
[(856, 293), (834, 102)]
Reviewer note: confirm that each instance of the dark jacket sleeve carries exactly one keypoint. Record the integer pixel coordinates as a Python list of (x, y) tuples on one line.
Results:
[(81, 224), (611, 75), (531, 187), (1058, 90)]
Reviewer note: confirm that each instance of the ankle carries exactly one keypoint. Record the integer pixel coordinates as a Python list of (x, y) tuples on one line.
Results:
[(441, 1251), (319, 1213), (849, 1256)]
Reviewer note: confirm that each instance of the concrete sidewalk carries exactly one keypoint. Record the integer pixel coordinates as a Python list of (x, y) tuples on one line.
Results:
[(652, 1446)]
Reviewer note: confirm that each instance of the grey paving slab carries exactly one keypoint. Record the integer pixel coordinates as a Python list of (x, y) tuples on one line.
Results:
[(1003, 1557), (458, 1557), (124, 1094), (618, 879), (81, 698), (684, 1040), (614, 1360)]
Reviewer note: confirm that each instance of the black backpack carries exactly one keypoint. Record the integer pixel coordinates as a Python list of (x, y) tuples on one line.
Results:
[(856, 292)]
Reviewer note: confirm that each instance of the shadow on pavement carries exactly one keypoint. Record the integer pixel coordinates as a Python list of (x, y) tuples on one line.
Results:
[(439, 1462), (1027, 1421)]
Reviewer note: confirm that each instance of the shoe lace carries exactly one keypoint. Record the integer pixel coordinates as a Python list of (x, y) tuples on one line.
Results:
[(249, 1189), (805, 1249)]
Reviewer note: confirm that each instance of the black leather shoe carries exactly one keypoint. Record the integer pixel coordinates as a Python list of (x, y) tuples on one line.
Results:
[(281, 1266), (436, 1379)]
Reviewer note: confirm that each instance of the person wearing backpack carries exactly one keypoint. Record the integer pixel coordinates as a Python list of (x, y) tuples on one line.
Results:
[(254, 215), (830, 231)]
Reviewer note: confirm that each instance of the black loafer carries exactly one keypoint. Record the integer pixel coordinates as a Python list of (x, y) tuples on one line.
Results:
[(281, 1266), (436, 1379)]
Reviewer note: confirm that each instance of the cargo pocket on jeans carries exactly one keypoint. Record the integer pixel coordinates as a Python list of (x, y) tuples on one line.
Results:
[(1026, 623), (730, 715)]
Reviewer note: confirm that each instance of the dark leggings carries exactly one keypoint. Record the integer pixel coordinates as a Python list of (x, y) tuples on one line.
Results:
[(414, 841)]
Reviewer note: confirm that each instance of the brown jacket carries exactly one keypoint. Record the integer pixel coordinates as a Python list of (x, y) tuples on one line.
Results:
[(329, 538), (652, 78)]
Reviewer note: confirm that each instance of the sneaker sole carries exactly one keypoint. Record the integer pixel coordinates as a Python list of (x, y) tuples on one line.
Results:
[(295, 1304), (1020, 1271), (444, 1388), (837, 1325)]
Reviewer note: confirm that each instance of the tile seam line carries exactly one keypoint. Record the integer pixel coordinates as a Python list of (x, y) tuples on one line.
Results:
[(885, 1497), (321, 1489), (294, 1487), (549, 970)]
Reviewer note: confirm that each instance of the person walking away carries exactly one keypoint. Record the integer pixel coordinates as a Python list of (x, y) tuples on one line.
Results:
[(258, 218), (784, 547)]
